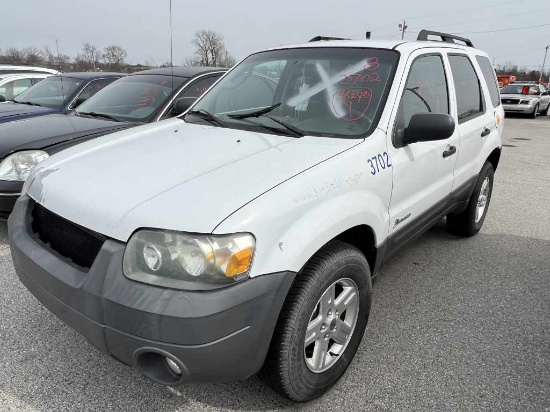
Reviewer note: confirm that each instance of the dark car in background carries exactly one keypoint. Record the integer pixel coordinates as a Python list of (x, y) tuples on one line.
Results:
[(140, 98), (56, 94)]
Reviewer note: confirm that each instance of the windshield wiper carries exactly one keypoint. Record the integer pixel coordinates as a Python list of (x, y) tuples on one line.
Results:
[(207, 116), (29, 103), (296, 131), (94, 114), (256, 113)]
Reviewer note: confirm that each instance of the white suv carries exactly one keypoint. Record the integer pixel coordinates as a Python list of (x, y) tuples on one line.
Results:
[(244, 236)]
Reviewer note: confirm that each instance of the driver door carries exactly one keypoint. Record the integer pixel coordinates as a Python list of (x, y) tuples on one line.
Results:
[(423, 172)]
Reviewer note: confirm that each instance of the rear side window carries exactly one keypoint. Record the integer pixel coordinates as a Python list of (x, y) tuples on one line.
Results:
[(468, 91), (490, 79)]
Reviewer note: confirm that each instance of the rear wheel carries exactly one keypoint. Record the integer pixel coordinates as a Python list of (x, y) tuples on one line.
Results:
[(321, 324), (469, 222)]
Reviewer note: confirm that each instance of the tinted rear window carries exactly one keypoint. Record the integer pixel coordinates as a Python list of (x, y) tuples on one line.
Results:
[(468, 92), (490, 79)]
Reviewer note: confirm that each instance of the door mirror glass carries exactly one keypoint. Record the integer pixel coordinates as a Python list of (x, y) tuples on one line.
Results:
[(427, 127), (182, 105)]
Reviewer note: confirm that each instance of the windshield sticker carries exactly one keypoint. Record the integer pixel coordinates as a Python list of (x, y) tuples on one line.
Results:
[(147, 97)]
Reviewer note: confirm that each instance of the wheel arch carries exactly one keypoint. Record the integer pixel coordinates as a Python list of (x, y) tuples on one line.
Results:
[(494, 158)]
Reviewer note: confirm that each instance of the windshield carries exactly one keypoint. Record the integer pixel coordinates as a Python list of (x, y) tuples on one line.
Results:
[(134, 98), (51, 92), (520, 89), (334, 92)]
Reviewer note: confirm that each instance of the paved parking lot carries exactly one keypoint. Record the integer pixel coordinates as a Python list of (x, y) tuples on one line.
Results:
[(457, 324)]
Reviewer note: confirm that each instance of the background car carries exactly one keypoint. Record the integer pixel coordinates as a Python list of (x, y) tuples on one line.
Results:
[(527, 98), (143, 97), (56, 94), (11, 85), (10, 69)]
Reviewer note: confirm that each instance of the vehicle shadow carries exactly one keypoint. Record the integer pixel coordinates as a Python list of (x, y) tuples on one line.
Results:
[(428, 301)]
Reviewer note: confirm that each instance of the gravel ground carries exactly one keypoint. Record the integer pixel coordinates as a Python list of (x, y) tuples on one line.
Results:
[(457, 324)]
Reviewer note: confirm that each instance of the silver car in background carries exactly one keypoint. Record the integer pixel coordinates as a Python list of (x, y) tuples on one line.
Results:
[(526, 98)]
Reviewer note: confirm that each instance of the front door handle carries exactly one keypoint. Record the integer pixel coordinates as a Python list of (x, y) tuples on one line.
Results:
[(485, 132), (451, 150)]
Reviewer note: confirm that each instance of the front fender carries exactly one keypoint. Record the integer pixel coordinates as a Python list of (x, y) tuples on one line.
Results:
[(295, 219)]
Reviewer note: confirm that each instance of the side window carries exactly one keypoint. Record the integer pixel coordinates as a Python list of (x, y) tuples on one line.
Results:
[(490, 79), (199, 87), (11, 89), (425, 92), (93, 87), (469, 98)]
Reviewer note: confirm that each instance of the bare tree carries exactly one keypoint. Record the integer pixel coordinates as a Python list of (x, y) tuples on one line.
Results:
[(13, 55), (89, 58), (114, 56), (33, 56), (210, 50)]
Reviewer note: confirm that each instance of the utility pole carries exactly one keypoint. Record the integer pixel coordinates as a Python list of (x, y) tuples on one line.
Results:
[(543, 64), (402, 28)]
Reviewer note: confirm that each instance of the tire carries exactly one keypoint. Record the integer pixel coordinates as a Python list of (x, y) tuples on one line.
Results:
[(290, 367), (470, 221), (545, 111), (535, 112)]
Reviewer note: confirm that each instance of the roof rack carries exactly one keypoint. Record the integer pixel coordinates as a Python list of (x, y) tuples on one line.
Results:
[(449, 38), (323, 38)]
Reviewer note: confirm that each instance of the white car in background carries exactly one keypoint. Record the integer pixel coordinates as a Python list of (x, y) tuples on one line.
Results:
[(12, 85), (10, 69)]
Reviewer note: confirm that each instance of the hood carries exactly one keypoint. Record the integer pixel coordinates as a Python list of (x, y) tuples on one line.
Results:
[(171, 175), (16, 111), (45, 131)]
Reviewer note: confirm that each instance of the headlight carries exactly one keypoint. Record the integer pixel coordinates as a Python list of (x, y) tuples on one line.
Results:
[(187, 261), (529, 101), (19, 165)]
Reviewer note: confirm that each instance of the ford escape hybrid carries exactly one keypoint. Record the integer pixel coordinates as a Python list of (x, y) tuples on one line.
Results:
[(243, 237)]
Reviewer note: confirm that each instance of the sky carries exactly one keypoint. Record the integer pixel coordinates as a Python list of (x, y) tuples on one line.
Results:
[(142, 26)]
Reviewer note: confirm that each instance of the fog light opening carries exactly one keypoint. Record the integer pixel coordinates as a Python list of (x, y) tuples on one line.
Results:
[(173, 366)]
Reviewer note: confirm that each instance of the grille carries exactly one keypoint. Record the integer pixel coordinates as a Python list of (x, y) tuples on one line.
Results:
[(70, 240), (510, 101)]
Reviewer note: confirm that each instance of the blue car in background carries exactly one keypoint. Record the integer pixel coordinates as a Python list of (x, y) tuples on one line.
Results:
[(56, 94)]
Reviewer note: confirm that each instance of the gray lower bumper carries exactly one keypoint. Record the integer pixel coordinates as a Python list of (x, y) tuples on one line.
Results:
[(218, 335), (518, 108)]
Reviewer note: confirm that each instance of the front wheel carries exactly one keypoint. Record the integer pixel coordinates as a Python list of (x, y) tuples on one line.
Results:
[(321, 324), (545, 111), (469, 222), (535, 112)]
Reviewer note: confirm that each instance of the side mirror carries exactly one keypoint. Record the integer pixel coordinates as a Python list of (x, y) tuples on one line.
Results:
[(2, 99), (78, 102), (182, 105), (427, 127)]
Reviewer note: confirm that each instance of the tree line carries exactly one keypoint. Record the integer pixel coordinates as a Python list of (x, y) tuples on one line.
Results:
[(521, 73), (209, 51)]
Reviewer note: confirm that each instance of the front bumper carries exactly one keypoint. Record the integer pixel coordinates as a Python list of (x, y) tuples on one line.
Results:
[(213, 336), (518, 108), (9, 193)]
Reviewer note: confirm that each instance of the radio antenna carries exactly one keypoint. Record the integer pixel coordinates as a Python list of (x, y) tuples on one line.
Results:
[(59, 63), (171, 47)]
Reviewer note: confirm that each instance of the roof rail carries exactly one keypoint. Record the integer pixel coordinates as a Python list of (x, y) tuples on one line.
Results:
[(323, 38), (449, 38)]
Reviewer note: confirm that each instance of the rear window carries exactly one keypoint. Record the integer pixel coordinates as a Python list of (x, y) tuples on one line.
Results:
[(490, 79), (468, 92)]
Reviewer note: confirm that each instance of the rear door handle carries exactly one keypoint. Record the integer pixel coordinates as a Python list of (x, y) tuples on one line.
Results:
[(451, 150), (485, 132)]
